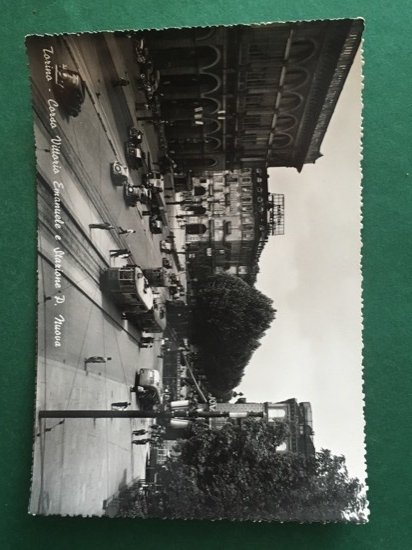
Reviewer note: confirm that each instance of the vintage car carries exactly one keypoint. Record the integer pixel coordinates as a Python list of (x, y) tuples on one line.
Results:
[(166, 246), (149, 80), (148, 387), (119, 173), (69, 89), (154, 180), (135, 135), (134, 194), (155, 224), (135, 156), (141, 51)]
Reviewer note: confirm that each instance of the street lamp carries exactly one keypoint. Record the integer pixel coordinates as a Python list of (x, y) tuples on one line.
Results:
[(165, 415)]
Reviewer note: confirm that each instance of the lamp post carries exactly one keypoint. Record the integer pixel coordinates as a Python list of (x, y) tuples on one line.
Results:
[(164, 415)]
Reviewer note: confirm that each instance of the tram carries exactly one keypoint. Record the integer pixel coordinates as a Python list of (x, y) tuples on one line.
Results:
[(131, 291), (157, 276), (129, 288)]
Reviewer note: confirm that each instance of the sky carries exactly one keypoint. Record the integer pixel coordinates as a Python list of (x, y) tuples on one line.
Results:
[(313, 349)]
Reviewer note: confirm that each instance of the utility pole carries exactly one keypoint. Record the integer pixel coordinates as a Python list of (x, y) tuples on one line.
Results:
[(165, 415)]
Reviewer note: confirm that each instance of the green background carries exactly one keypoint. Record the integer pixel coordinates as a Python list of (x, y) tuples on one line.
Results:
[(386, 270)]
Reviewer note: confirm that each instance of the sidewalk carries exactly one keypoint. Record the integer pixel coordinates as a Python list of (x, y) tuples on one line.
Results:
[(124, 63)]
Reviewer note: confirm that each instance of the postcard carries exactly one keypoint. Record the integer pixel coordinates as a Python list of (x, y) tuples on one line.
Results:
[(199, 337)]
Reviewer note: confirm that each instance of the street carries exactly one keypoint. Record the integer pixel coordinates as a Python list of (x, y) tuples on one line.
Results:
[(79, 464)]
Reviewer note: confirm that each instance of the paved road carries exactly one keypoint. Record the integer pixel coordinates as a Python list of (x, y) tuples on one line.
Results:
[(80, 463)]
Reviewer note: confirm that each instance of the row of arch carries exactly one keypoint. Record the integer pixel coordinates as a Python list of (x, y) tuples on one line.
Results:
[(181, 111), (301, 49), (207, 83), (208, 55), (205, 58)]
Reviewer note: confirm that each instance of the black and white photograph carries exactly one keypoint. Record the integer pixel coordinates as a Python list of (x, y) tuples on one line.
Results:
[(199, 332)]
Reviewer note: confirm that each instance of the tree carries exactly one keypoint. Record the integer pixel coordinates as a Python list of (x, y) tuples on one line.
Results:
[(230, 317), (235, 472)]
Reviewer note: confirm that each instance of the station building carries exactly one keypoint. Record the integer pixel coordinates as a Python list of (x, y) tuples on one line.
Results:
[(297, 415)]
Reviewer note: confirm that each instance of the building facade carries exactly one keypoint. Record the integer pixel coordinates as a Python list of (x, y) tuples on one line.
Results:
[(251, 96), (297, 415), (229, 216)]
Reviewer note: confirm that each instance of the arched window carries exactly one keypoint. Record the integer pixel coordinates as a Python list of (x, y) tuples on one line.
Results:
[(196, 228), (281, 140), (301, 50), (203, 34), (199, 162), (208, 56), (295, 77), (197, 210), (211, 125), (197, 83), (285, 122), (290, 101), (210, 105), (199, 191)]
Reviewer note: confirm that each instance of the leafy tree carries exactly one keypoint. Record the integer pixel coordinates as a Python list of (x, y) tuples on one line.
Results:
[(229, 319), (235, 472)]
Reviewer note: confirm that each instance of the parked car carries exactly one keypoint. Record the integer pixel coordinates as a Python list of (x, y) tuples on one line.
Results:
[(134, 194), (149, 388), (131, 194), (119, 173), (135, 135), (135, 156), (166, 246), (69, 89), (141, 51), (154, 179), (155, 224), (149, 80)]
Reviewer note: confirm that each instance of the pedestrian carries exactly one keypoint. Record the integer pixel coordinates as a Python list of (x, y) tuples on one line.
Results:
[(103, 225), (139, 432), (157, 429), (137, 389), (96, 359), (121, 405), (126, 231), (120, 82), (118, 252)]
